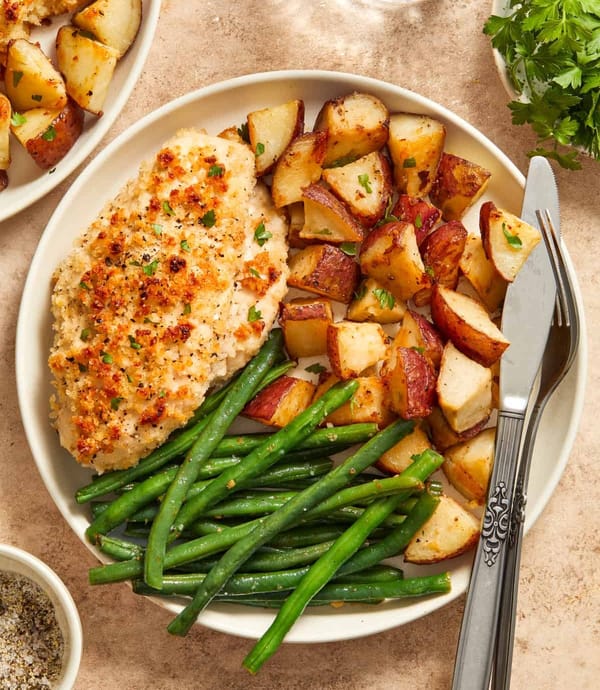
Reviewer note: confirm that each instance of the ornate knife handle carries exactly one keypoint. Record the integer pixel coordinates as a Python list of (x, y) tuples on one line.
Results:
[(476, 643)]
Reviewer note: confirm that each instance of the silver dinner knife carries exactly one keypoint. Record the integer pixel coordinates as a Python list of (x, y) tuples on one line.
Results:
[(526, 318)]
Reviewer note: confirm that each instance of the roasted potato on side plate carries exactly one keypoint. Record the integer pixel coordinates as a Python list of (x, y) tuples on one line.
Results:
[(324, 270), (459, 183), (372, 302), (400, 456), (281, 401), (31, 80), (304, 324), (5, 116), (368, 404), (113, 22), (354, 347), (327, 218), (410, 383), (48, 135), (468, 465), (481, 274)]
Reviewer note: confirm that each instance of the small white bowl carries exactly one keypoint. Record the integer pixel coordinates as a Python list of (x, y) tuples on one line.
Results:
[(18, 561)]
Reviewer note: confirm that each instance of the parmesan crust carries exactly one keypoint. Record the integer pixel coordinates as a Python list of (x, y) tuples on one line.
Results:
[(152, 306)]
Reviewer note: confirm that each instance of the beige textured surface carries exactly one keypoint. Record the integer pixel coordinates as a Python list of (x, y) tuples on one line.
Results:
[(436, 48)]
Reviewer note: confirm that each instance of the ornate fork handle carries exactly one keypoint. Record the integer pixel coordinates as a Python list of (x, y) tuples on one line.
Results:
[(478, 632)]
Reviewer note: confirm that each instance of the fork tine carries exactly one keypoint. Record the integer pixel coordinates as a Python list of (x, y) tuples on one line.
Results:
[(551, 240)]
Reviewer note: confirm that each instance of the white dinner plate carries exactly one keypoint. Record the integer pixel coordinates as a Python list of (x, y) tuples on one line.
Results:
[(28, 182), (214, 108)]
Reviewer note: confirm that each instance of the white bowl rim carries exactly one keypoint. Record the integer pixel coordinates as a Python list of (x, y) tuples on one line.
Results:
[(43, 575)]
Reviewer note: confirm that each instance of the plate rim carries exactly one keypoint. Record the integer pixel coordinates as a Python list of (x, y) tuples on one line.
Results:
[(45, 183), (358, 81)]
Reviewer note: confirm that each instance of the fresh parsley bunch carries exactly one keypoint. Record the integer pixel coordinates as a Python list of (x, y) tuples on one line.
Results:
[(552, 54)]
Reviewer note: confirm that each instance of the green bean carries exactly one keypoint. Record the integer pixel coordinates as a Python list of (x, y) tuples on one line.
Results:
[(220, 420), (329, 437), (119, 549), (290, 513), (360, 593), (317, 577), (267, 454)]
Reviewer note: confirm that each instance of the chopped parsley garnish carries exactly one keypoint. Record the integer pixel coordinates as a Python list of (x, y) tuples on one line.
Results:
[(134, 343), (242, 130), (17, 76), (255, 273), (49, 134), (430, 272), (323, 231), (315, 368), (418, 221), (17, 119), (409, 163), (260, 149), (85, 334), (215, 171), (187, 308), (150, 269), (107, 358), (254, 314), (84, 286), (513, 240), (418, 349), (344, 160), (185, 246), (208, 219), (388, 216), (166, 207), (385, 298), (365, 183), (349, 248), (157, 228), (115, 402), (361, 291), (261, 234), (36, 97)]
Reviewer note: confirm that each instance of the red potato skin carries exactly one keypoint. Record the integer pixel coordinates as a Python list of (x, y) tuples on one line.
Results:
[(432, 340), (410, 209), (264, 404), (443, 435), (68, 126), (486, 210), (441, 251), (464, 337), (3, 180), (336, 270), (411, 384)]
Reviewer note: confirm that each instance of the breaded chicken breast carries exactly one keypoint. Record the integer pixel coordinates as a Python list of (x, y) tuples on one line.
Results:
[(172, 288)]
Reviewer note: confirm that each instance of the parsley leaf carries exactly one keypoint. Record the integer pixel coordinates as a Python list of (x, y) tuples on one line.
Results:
[(254, 314), (385, 298), (261, 234), (365, 183)]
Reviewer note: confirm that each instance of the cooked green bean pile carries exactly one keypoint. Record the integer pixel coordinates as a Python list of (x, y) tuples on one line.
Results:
[(264, 519)]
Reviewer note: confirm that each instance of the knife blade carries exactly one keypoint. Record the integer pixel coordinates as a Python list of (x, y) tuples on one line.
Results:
[(527, 314)]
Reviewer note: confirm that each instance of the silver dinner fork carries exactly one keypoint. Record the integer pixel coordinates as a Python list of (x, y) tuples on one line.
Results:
[(561, 348)]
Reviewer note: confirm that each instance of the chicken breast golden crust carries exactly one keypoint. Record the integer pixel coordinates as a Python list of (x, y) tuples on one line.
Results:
[(172, 288)]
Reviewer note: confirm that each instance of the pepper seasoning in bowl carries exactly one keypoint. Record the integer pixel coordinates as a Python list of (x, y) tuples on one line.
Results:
[(40, 630)]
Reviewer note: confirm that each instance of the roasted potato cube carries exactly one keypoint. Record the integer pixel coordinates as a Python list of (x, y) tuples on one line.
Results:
[(113, 22), (467, 323), (281, 401), (468, 465), (481, 274), (365, 186), (87, 66), (368, 404), (464, 389), (327, 218), (417, 211), (416, 143), (356, 124), (372, 302), (390, 255), (31, 80), (304, 324), (400, 456), (272, 130), (48, 135), (507, 240), (450, 531), (324, 270), (418, 333), (354, 347), (409, 380), (459, 183), (300, 165), (443, 435), (5, 115), (295, 216), (441, 251)]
